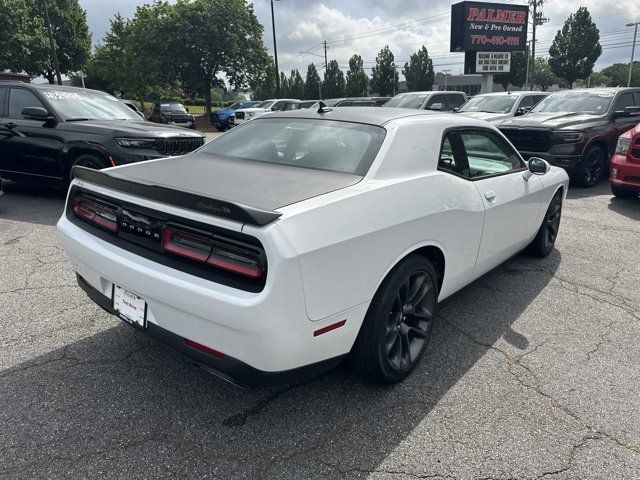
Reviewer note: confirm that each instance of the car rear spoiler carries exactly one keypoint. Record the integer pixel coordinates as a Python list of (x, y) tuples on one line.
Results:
[(179, 198)]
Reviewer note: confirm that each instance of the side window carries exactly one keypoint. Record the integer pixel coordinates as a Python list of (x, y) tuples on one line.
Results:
[(452, 157), (437, 98), (635, 94), (20, 98), (454, 100), (624, 100), (488, 154), (538, 98), (3, 92), (527, 102)]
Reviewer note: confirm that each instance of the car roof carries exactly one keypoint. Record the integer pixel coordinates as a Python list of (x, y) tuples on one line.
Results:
[(368, 115), (514, 93), (428, 92), (48, 86), (281, 99)]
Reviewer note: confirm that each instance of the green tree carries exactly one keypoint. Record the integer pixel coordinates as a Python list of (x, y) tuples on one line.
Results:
[(597, 79), (209, 39), (542, 76), (296, 85), (284, 86), (70, 34), (419, 71), (575, 48), (23, 40), (312, 84), (384, 79), (518, 71), (333, 84), (264, 84), (357, 80), (618, 74)]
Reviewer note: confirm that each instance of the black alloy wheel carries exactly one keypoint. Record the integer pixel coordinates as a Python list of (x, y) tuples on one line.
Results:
[(88, 161), (545, 240), (592, 168), (409, 321), (398, 323)]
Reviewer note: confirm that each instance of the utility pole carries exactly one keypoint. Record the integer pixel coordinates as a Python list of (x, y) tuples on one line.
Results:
[(325, 56), (54, 54), (538, 19), (526, 78), (633, 49), (275, 51)]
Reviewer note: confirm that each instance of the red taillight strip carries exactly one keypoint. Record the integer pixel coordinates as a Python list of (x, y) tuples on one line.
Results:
[(204, 348), (328, 328), (200, 248), (94, 212)]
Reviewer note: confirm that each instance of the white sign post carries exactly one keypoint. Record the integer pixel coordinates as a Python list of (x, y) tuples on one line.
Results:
[(490, 63)]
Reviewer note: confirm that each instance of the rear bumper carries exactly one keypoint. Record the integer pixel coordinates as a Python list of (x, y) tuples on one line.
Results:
[(226, 367), (268, 331)]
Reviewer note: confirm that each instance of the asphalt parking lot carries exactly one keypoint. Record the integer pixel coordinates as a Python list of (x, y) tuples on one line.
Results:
[(532, 372)]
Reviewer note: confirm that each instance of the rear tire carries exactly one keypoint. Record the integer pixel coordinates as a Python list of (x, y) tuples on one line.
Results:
[(220, 128), (591, 169), (622, 192), (545, 240), (398, 324)]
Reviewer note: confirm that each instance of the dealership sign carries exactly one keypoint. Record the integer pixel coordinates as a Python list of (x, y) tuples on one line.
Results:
[(493, 62), (488, 27)]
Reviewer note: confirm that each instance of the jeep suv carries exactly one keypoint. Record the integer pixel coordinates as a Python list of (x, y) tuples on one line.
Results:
[(172, 113), (45, 130), (576, 129)]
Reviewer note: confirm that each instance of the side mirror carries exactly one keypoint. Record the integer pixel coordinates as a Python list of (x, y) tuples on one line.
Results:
[(455, 110), (187, 109), (36, 113), (522, 111), (436, 106), (536, 166)]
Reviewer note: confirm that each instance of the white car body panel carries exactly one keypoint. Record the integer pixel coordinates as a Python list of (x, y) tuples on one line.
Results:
[(497, 118), (328, 254)]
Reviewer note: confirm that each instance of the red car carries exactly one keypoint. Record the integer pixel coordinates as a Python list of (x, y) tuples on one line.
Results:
[(624, 174)]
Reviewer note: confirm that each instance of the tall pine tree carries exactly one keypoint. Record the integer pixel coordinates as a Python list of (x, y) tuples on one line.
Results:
[(313, 84), (357, 80), (384, 80), (333, 84), (419, 71)]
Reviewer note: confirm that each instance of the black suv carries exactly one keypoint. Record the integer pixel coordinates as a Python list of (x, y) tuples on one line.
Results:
[(172, 113), (576, 129), (47, 129)]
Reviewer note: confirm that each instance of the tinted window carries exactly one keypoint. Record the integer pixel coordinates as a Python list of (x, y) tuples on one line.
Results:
[(3, 92), (439, 98), (527, 101), (455, 100), (407, 100), (20, 98), (624, 100), (488, 154), (450, 162), (319, 144), (538, 98)]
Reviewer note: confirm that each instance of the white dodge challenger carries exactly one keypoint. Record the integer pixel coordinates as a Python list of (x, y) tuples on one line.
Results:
[(302, 237)]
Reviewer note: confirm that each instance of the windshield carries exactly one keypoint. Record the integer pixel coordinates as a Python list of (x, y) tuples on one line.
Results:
[(310, 143), (489, 104), (592, 103), (407, 100), (88, 105), (265, 104), (236, 106), (172, 107)]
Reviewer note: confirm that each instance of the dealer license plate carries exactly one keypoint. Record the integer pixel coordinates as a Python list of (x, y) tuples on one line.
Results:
[(130, 307)]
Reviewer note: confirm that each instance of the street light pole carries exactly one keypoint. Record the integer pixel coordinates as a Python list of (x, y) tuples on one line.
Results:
[(54, 54), (275, 51), (633, 49), (445, 78)]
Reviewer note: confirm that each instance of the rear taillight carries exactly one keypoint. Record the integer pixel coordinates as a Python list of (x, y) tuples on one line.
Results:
[(96, 213), (214, 251)]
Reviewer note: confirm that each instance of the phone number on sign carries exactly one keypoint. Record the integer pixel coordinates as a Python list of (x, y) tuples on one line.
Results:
[(494, 40)]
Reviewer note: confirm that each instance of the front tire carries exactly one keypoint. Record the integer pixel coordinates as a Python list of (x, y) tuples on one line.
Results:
[(545, 239), (398, 323), (89, 161), (590, 171)]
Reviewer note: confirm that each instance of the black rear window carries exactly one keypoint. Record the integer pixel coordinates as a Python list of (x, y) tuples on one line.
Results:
[(319, 144)]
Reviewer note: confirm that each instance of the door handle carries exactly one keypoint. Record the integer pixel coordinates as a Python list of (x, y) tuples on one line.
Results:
[(491, 195), (9, 125)]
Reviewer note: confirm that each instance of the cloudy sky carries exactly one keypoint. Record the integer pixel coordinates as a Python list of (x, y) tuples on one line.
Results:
[(365, 26)]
